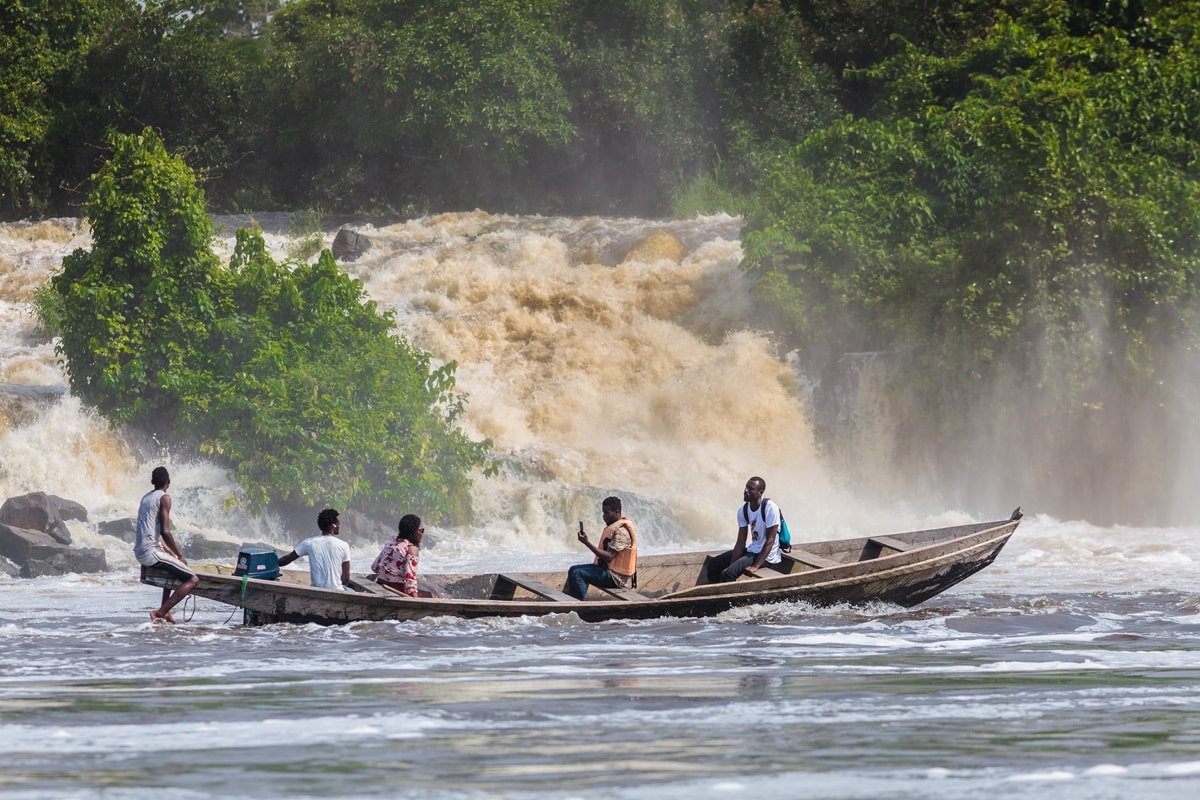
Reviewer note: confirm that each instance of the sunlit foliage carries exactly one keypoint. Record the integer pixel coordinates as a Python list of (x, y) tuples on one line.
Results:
[(285, 372)]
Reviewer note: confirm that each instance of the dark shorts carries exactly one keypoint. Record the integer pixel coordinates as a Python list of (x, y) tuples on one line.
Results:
[(172, 567)]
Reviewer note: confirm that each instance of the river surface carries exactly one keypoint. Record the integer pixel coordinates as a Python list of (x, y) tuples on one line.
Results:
[(1070, 668)]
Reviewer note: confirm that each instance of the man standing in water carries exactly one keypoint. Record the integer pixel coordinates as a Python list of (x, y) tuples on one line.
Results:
[(762, 525), (155, 545), (615, 565), (328, 556)]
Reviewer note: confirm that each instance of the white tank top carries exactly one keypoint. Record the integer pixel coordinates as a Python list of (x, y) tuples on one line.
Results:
[(148, 525)]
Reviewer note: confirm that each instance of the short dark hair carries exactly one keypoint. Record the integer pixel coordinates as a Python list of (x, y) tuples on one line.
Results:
[(613, 503), (409, 524), (762, 484), (160, 477), (326, 519)]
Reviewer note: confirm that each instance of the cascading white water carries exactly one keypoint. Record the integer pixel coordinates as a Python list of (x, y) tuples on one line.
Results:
[(601, 356)]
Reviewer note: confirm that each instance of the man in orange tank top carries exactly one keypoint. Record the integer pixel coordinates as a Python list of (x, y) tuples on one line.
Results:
[(615, 565)]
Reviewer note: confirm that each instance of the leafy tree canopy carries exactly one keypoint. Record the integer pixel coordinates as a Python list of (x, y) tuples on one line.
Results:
[(40, 44), (285, 372), (1021, 212)]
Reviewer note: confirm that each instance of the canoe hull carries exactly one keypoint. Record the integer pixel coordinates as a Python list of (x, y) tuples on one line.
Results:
[(905, 569)]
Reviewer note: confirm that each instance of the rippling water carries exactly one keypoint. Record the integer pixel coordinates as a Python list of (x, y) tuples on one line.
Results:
[(1029, 680)]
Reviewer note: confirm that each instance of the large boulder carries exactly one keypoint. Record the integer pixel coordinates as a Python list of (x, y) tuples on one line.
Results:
[(196, 548), (124, 528), (201, 548), (79, 560), (39, 554), (69, 509), (349, 245), (36, 511)]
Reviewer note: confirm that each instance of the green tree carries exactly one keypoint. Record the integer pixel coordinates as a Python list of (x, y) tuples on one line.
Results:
[(304, 422), (1021, 213), (40, 43), (644, 77), (391, 104), (156, 64), (138, 306), (285, 372)]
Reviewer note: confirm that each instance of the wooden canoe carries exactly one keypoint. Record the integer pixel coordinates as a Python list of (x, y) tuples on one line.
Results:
[(901, 568)]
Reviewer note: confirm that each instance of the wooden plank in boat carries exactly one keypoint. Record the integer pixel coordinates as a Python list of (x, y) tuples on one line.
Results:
[(369, 586), (888, 541), (810, 559), (625, 594), (536, 586), (763, 572)]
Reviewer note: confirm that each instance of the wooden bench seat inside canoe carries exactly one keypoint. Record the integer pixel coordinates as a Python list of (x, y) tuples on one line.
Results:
[(367, 585), (888, 541), (508, 581), (809, 559), (620, 593)]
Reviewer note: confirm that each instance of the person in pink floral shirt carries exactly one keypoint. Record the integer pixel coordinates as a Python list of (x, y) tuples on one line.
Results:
[(396, 564)]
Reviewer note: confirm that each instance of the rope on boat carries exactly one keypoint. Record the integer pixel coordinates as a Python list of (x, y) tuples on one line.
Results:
[(245, 581), (188, 613)]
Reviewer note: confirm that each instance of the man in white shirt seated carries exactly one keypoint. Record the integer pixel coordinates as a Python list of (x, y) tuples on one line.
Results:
[(328, 556)]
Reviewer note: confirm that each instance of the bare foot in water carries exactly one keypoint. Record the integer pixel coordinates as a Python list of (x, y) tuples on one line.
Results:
[(159, 617)]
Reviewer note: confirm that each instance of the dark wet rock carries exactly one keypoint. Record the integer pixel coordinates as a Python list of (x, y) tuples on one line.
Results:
[(36, 511), (200, 548), (196, 547), (349, 245), (124, 528), (80, 560), (37, 553), (69, 509)]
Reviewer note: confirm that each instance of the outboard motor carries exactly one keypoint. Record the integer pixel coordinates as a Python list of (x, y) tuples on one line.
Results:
[(258, 562)]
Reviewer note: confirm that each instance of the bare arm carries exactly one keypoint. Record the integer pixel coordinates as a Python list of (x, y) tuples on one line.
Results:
[(164, 523), (604, 555), (289, 558), (345, 573)]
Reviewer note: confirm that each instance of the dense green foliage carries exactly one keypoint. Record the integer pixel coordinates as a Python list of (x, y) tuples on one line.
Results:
[(285, 372), (72, 70), (41, 41), (387, 106), (141, 302), (424, 100), (1023, 216)]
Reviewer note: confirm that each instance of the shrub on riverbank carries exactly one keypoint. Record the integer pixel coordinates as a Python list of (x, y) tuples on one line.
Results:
[(285, 372)]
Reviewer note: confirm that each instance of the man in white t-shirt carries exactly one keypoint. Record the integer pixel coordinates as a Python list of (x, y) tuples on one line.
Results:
[(328, 556), (758, 520)]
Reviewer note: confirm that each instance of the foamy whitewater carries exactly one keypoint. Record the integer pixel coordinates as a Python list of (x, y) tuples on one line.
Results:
[(602, 356)]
